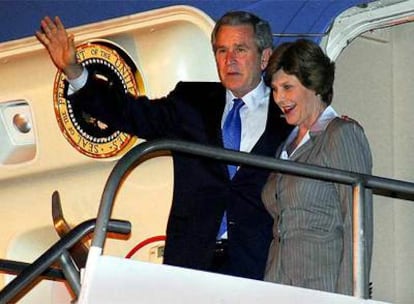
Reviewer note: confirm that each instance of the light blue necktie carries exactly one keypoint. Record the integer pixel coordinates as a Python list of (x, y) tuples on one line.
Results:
[(231, 140)]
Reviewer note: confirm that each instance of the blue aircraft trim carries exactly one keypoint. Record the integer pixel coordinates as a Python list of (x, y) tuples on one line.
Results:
[(20, 18)]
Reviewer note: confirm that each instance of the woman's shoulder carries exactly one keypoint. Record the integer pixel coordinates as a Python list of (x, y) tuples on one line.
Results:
[(342, 130), (344, 123)]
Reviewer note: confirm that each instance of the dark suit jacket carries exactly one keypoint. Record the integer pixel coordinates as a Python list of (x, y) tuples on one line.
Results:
[(202, 189)]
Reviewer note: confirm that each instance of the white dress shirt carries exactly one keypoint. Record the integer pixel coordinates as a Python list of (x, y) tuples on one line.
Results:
[(78, 83), (253, 115)]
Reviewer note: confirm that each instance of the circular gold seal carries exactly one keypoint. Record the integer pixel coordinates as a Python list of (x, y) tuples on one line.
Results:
[(87, 134)]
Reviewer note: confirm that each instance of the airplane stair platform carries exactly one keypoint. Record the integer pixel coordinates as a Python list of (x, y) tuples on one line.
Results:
[(116, 280), (109, 279)]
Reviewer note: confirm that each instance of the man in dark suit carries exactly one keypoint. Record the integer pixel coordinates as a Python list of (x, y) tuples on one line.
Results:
[(204, 195)]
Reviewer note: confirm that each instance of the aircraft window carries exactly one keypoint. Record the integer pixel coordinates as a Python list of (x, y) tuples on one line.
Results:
[(16, 132)]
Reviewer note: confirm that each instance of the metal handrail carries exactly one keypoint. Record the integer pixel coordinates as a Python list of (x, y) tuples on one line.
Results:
[(33, 271), (359, 182), (15, 267)]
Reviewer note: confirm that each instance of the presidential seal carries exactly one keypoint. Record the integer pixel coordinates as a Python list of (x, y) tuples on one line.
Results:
[(84, 132)]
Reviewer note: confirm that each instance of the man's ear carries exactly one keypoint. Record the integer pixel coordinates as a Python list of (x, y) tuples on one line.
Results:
[(265, 58)]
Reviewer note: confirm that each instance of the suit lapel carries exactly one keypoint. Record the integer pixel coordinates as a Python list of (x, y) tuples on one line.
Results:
[(313, 143), (275, 131), (303, 149), (216, 100)]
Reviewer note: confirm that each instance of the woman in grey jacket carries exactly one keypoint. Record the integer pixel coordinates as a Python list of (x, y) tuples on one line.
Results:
[(312, 244)]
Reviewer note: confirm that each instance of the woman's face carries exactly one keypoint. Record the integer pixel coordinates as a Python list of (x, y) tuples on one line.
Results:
[(301, 106)]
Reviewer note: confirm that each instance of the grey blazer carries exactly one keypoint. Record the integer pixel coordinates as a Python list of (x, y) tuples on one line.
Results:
[(312, 244)]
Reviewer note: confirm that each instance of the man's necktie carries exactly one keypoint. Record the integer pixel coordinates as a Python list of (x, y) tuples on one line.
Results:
[(231, 140), (232, 131)]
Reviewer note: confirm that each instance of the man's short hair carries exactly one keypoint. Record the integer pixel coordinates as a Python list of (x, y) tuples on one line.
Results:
[(262, 31)]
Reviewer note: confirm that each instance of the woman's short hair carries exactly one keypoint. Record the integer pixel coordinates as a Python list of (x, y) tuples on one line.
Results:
[(306, 60)]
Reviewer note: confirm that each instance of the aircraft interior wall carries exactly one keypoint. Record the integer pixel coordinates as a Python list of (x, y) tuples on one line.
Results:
[(374, 85)]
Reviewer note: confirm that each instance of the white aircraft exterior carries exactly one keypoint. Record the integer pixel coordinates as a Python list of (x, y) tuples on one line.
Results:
[(44, 154)]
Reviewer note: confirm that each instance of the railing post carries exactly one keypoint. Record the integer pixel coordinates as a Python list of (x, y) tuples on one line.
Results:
[(360, 280), (71, 273)]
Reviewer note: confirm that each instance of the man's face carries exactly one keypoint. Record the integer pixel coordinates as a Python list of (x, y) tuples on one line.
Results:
[(238, 60)]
